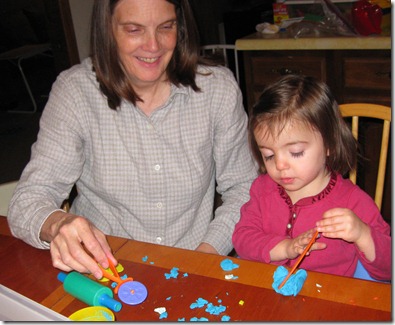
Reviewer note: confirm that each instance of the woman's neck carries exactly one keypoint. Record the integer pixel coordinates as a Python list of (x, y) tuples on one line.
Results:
[(153, 96)]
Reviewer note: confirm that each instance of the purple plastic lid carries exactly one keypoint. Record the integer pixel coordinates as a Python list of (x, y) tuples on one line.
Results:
[(132, 292)]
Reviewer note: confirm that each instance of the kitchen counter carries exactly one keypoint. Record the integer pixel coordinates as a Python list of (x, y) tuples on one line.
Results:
[(285, 41)]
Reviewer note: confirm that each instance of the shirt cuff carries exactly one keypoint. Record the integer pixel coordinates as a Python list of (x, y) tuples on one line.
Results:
[(38, 242)]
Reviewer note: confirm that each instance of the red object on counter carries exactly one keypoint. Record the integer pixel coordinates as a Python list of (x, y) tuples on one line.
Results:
[(366, 17)]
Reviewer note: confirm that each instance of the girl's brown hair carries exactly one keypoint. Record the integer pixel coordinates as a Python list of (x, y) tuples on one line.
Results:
[(114, 82), (305, 99)]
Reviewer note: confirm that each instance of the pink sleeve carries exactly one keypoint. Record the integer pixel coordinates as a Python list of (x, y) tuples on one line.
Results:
[(250, 240), (367, 211)]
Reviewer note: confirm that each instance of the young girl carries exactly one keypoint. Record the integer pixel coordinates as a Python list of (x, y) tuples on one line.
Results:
[(303, 147)]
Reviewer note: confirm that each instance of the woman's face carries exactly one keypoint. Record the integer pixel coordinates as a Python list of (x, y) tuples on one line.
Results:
[(146, 35)]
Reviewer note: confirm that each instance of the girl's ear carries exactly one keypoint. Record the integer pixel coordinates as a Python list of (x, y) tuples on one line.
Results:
[(327, 152)]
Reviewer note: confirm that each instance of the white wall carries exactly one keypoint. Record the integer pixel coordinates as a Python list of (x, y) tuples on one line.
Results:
[(81, 14)]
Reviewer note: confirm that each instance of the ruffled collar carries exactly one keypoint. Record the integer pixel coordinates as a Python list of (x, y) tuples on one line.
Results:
[(311, 199)]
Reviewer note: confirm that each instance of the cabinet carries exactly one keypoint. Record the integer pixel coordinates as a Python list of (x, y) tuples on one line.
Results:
[(365, 76), (352, 75), (264, 67), (356, 70)]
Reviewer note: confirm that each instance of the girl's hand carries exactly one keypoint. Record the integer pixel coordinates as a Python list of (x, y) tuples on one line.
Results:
[(298, 244), (343, 224), (346, 225)]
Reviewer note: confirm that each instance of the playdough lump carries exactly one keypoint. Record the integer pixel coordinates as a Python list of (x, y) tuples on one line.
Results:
[(293, 285)]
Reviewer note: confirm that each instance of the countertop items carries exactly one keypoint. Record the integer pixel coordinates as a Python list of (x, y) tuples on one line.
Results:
[(285, 41)]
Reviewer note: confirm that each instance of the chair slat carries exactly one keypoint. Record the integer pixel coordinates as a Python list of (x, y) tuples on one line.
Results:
[(358, 110)]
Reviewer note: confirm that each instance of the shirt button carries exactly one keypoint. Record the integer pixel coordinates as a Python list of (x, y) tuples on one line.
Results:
[(294, 215), (157, 167), (159, 205), (289, 226), (158, 240)]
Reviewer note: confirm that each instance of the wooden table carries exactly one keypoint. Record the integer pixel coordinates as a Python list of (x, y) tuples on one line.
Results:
[(250, 297)]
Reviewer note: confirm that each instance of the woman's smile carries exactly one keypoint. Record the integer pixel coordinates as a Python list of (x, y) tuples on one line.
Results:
[(148, 60)]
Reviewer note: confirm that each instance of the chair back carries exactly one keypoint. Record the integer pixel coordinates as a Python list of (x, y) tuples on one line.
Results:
[(373, 111), (6, 192), (220, 52)]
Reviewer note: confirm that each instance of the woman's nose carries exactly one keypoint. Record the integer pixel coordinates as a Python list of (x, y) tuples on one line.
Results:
[(151, 42)]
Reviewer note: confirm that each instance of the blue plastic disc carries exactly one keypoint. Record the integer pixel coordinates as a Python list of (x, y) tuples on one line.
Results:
[(132, 292)]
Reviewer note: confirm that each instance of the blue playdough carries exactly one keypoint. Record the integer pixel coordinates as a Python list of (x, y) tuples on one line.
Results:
[(201, 319), (215, 310), (163, 315), (228, 265), (200, 302), (173, 273), (293, 285)]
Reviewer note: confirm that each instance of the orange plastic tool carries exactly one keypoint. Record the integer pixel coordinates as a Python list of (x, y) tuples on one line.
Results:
[(115, 276), (311, 242)]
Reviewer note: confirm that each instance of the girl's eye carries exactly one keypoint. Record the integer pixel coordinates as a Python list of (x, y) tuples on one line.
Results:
[(267, 158), (297, 154)]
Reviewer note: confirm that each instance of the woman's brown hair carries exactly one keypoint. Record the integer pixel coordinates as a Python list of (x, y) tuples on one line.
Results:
[(310, 101), (111, 76)]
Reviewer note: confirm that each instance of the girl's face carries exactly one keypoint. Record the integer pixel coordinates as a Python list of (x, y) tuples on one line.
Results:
[(146, 35), (294, 159)]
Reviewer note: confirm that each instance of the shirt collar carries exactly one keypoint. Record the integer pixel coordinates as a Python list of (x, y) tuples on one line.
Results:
[(311, 199)]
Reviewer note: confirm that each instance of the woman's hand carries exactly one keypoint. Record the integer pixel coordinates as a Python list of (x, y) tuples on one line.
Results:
[(73, 241), (206, 248)]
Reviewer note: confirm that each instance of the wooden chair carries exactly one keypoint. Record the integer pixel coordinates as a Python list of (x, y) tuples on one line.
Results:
[(373, 111), (221, 52)]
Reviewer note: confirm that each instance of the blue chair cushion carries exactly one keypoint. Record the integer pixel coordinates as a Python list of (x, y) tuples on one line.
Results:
[(361, 273)]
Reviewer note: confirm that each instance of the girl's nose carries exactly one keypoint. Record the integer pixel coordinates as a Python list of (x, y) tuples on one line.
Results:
[(281, 163)]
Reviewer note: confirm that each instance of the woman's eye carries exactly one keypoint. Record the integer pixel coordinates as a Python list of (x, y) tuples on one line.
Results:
[(168, 26), (297, 154), (133, 30)]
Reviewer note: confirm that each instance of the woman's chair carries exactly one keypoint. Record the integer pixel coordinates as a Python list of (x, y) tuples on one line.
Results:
[(16, 56), (6, 191), (373, 111)]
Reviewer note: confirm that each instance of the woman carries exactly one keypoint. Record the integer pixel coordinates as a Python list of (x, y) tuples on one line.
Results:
[(145, 131)]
